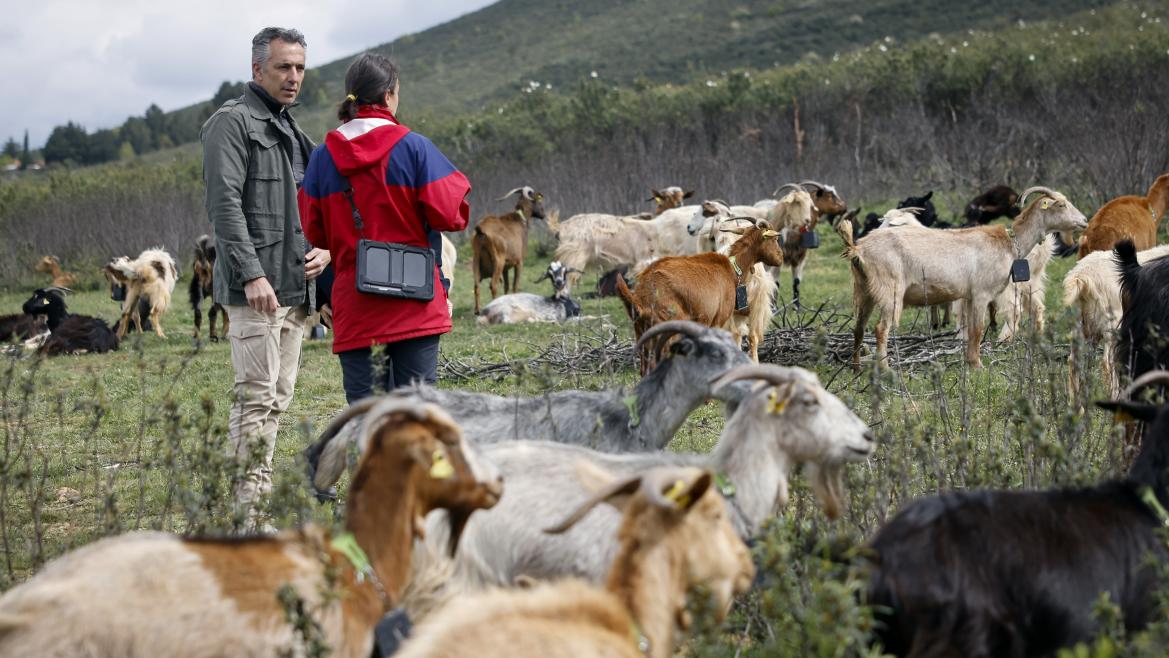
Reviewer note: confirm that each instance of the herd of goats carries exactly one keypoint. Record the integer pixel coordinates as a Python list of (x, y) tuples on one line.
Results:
[(481, 516)]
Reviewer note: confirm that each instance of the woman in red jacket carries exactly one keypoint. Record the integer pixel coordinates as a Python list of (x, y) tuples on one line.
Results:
[(406, 191)]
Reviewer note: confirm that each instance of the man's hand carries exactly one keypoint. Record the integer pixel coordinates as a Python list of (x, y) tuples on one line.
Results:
[(261, 296), (315, 262)]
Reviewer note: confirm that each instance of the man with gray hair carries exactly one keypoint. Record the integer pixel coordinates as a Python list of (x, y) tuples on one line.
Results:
[(254, 155)]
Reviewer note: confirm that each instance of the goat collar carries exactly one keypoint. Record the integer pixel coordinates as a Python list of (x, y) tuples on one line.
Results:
[(346, 544), (738, 270), (520, 212), (727, 489), (1149, 498)]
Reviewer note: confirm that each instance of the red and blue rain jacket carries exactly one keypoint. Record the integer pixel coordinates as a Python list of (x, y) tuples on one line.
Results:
[(400, 180)]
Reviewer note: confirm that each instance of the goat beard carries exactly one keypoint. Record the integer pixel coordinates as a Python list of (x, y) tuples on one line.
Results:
[(828, 487)]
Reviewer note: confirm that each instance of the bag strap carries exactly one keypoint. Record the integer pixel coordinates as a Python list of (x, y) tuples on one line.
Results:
[(348, 191)]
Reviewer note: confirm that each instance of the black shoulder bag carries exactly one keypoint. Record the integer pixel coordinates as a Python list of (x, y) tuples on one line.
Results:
[(389, 269)]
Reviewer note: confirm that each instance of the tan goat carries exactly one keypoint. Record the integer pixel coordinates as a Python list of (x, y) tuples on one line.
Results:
[(150, 276), (154, 594), (669, 197), (51, 266), (499, 243), (1130, 216), (700, 287), (674, 535), (920, 266)]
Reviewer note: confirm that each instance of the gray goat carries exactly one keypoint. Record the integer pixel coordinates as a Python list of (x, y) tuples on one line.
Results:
[(612, 420), (528, 307), (789, 419)]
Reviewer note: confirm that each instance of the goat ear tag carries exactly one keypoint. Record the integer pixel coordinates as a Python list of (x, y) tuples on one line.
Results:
[(768, 233), (1020, 270), (775, 406), (678, 494), (1045, 204), (440, 466)]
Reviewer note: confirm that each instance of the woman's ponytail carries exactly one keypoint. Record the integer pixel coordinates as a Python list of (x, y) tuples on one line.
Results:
[(367, 80)]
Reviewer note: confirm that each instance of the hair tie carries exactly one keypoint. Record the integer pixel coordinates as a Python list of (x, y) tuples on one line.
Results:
[(351, 97)]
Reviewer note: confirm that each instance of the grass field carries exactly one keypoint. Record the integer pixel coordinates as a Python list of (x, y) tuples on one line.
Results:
[(97, 444)]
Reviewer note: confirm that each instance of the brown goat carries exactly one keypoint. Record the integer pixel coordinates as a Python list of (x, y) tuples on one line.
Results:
[(51, 266), (1128, 217), (499, 243), (674, 536), (669, 197), (202, 284), (700, 287), (155, 594)]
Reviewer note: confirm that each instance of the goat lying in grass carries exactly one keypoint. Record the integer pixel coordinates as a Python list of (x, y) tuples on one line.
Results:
[(154, 594), (152, 275), (21, 326), (789, 420), (1018, 573), (613, 420), (528, 307), (69, 334), (674, 535)]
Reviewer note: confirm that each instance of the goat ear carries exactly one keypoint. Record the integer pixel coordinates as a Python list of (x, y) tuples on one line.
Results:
[(683, 346), (1124, 411), (542, 277), (687, 195), (686, 494)]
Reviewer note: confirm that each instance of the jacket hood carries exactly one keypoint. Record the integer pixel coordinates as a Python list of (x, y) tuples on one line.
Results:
[(365, 141)]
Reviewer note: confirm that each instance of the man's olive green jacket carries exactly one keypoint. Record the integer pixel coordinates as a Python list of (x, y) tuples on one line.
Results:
[(251, 201)]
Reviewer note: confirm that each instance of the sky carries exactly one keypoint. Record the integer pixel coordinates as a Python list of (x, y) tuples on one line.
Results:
[(97, 62)]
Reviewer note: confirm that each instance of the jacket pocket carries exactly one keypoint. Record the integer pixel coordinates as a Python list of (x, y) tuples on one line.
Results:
[(264, 194)]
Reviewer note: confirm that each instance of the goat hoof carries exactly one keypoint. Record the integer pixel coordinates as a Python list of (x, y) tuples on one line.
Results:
[(215, 339)]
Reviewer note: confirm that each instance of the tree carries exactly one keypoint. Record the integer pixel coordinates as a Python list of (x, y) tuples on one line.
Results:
[(25, 154), (103, 146), (138, 134), (11, 148), (227, 91), (67, 143), (156, 122)]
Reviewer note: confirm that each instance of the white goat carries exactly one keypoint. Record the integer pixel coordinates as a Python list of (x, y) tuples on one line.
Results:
[(1093, 287), (150, 276), (528, 307), (449, 256), (788, 421), (674, 536), (920, 266)]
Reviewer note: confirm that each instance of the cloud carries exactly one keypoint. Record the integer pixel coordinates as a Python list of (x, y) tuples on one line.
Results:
[(97, 63)]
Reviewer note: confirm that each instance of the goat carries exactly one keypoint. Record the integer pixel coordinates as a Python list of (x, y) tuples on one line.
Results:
[(998, 201), (52, 266), (449, 256), (1026, 299), (669, 197), (150, 593), (789, 420), (612, 420), (1130, 216), (69, 334), (1092, 286), (927, 214), (202, 285), (761, 289), (920, 266), (152, 276), (499, 242), (673, 536), (21, 326), (527, 307), (795, 217), (1142, 338), (1019, 573), (701, 288)]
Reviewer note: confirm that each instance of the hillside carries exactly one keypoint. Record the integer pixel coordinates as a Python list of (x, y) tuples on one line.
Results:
[(490, 54)]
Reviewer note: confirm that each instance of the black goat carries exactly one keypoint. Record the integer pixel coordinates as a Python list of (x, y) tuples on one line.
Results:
[(929, 214), (20, 326), (70, 333), (202, 283), (1142, 343), (1017, 573), (998, 201)]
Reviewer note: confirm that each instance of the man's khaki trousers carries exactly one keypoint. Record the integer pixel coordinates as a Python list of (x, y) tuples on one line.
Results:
[(265, 353)]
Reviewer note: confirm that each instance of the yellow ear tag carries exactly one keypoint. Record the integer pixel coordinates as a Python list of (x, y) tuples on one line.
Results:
[(1045, 204), (678, 494), (768, 233), (775, 406), (440, 467)]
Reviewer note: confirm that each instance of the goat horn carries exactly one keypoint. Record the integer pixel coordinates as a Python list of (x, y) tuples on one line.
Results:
[(812, 182), (1144, 381), (656, 482), (618, 488), (1037, 188), (506, 196), (783, 187), (61, 289), (911, 209), (670, 327), (768, 372), (529, 193)]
